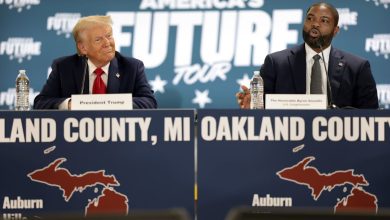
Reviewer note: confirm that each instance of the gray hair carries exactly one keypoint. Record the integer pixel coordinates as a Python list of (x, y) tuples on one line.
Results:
[(88, 22)]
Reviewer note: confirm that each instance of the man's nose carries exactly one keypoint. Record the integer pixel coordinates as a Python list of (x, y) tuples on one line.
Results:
[(315, 24), (106, 41)]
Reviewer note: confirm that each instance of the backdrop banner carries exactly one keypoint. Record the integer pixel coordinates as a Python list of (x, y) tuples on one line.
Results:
[(196, 53)]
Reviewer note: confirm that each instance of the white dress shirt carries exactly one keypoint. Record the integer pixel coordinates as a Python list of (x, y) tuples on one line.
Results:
[(92, 76), (309, 64)]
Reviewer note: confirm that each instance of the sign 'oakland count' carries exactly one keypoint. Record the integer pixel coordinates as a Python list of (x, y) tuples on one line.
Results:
[(293, 128)]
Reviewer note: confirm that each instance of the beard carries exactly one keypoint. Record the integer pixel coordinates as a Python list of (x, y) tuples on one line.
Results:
[(317, 42)]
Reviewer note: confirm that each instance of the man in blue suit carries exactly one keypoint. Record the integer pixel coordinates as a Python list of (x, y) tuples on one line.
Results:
[(289, 71), (107, 71)]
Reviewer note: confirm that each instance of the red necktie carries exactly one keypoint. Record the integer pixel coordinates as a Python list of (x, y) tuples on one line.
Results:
[(98, 85)]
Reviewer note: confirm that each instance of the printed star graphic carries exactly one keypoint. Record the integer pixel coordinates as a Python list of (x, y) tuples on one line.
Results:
[(158, 84), (202, 98), (245, 80)]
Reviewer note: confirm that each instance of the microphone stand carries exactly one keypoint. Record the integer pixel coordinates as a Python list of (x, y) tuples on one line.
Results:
[(331, 105), (85, 59)]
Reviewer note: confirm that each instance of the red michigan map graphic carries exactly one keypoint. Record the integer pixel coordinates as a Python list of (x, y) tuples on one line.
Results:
[(109, 201), (317, 182), (358, 200)]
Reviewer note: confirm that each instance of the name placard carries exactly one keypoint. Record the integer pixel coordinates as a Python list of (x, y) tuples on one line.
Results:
[(120, 101), (295, 101)]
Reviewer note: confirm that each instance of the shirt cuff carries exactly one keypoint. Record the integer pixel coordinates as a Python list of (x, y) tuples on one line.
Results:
[(64, 104)]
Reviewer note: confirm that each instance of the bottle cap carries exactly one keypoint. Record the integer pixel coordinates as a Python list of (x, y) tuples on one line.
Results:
[(256, 72), (22, 71)]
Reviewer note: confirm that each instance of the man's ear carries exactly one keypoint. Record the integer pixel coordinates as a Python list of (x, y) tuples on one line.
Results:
[(81, 48), (336, 31)]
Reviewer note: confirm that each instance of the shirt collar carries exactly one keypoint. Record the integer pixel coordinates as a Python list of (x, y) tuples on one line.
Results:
[(92, 67), (310, 53)]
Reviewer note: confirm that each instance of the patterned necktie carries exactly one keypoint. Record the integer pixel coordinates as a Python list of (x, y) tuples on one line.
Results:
[(316, 76), (98, 85)]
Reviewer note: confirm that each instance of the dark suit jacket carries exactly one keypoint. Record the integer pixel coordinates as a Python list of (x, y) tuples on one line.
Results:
[(351, 80), (66, 79)]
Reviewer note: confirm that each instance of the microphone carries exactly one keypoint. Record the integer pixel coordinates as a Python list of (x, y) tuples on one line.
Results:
[(320, 41), (85, 59)]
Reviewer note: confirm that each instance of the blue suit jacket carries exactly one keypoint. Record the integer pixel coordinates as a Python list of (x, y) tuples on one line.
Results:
[(66, 79), (351, 80)]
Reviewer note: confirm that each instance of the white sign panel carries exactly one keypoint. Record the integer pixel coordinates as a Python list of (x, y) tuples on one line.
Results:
[(102, 102), (295, 101)]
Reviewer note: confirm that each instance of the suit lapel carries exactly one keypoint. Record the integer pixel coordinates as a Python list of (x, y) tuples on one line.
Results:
[(114, 77), (335, 72), (297, 60), (78, 74)]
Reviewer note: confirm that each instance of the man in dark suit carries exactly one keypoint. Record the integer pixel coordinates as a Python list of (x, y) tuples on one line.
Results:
[(289, 71), (107, 70)]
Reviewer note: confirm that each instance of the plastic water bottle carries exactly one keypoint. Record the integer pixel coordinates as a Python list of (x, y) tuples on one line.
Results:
[(22, 92), (257, 91)]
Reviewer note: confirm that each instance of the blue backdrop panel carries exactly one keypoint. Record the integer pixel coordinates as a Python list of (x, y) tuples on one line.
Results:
[(235, 173), (196, 53), (152, 175)]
